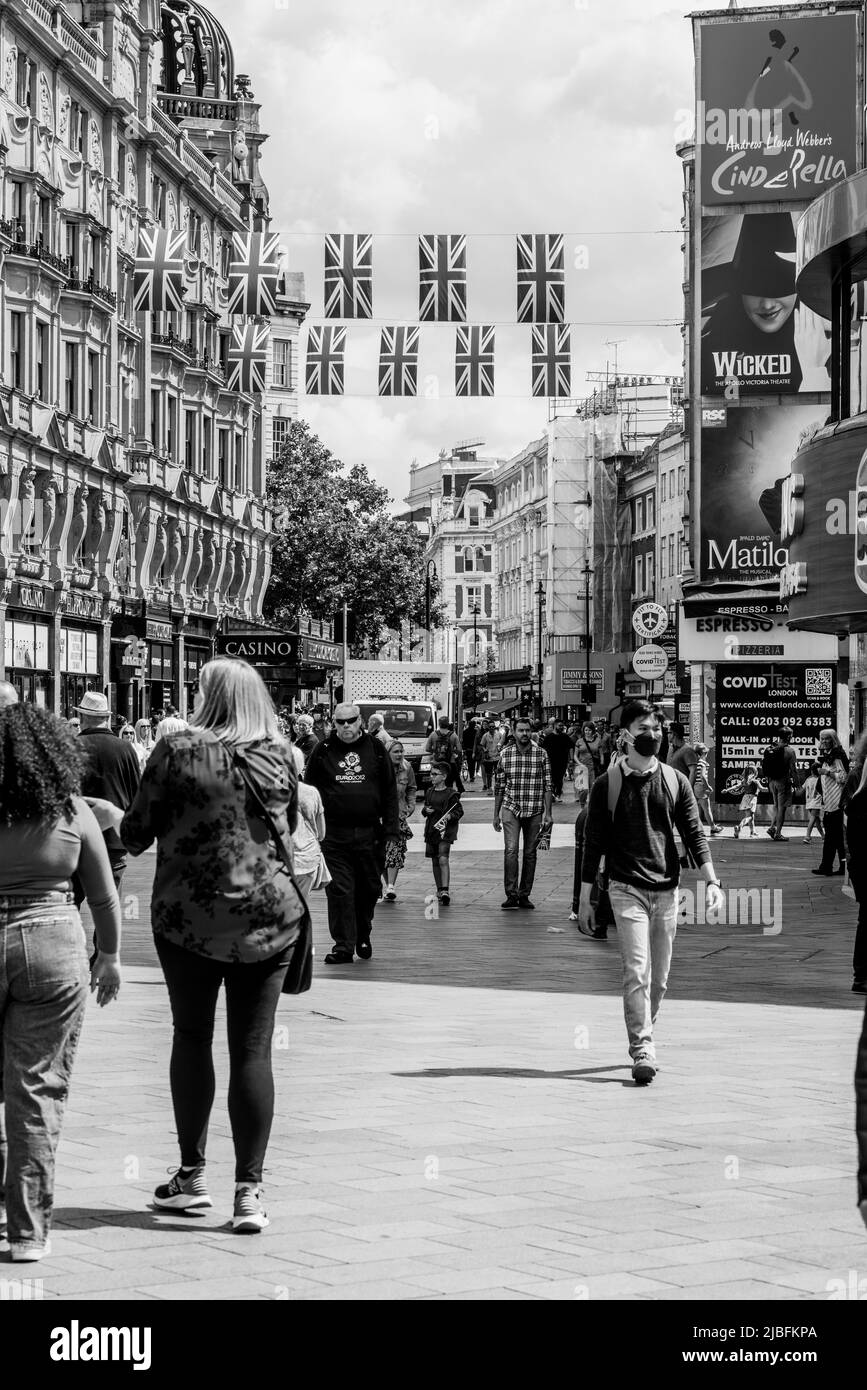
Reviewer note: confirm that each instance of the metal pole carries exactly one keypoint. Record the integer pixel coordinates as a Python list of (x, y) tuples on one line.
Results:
[(475, 655), (539, 596)]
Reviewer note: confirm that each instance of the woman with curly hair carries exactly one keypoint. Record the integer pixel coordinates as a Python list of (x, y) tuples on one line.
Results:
[(47, 834), (224, 911)]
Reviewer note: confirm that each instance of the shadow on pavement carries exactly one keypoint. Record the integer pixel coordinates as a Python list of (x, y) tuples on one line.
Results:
[(530, 1073)]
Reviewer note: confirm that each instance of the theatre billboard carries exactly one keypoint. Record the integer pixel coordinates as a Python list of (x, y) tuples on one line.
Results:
[(776, 116)]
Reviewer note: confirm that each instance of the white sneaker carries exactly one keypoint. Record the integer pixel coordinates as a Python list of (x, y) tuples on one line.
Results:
[(249, 1216), (390, 894), (573, 916), (25, 1253)]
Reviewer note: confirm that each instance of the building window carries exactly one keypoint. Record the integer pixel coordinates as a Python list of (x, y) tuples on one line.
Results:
[(194, 232), (638, 587), (121, 166), (93, 386), (662, 569), (154, 421), (16, 212), (639, 515), (279, 434), (681, 479), (171, 426), (474, 597), (45, 220), (95, 248), (70, 390), (206, 448), (25, 81), (649, 575), (77, 125), (282, 362), (189, 439), (239, 462), (671, 564), (662, 487), (650, 509), (158, 198), (16, 349), (223, 457), (41, 361)]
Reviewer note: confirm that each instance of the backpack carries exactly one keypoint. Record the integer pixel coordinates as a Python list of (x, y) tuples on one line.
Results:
[(615, 785), (444, 751), (774, 763)]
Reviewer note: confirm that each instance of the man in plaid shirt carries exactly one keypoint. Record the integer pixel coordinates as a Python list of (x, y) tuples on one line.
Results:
[(522, 805)]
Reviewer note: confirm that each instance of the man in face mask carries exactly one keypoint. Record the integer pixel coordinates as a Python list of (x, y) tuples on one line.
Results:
[(633, 811)]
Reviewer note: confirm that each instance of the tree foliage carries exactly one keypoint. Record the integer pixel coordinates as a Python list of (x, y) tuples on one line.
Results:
[(335, 542)]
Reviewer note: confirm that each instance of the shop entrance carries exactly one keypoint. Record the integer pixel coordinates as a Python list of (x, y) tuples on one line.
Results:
[(33, 688)]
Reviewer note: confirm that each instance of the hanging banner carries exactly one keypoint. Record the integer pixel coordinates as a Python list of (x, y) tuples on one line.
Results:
[(325, 368), (253, 273), (541, 279), (398, 362), (474, 362), (248, 358), (756, 338), (442, 278), (776, 118), (158, 279), (743, 470), (552, 361), (349, 276)]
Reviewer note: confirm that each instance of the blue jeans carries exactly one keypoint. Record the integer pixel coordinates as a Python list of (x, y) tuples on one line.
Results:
[(646, 927), (513, 827), (44, 980)]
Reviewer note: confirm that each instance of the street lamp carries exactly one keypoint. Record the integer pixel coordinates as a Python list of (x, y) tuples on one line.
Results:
[(430, 576), (540, 600), (588, 574), (475, 656)]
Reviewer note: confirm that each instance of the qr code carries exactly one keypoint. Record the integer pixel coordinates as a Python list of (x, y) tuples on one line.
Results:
[(818, 680)]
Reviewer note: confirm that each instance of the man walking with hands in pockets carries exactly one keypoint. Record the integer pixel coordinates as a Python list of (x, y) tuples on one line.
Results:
[(522, 806), (633, 811)]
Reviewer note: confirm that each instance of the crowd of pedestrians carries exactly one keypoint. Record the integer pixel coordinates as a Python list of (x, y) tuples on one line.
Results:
[(253, 811)]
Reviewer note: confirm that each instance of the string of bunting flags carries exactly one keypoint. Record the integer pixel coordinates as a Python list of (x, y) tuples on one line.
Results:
[(255, 262)]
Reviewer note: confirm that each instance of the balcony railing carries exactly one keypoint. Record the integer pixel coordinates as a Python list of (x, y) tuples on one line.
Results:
[(74, 39), (171, 340), (182, 108), (91, 286), (37, 250)]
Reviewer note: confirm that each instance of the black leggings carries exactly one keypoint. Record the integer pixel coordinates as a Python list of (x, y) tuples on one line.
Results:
[(252, 992)]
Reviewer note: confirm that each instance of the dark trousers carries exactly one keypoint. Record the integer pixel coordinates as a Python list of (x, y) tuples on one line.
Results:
[(252, 993), (858, 880), (833, 847), (355, 861), (488, 774), (576, 872), (471, 766), (558, 772)]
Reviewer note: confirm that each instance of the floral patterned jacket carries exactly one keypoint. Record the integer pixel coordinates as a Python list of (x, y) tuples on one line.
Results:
[(220, 888)]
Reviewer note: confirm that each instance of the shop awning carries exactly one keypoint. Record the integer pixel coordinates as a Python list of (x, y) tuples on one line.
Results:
[(764, 601), (499, 706)]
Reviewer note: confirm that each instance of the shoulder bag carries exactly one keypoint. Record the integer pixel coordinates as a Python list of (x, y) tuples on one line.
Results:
[(299, 976)]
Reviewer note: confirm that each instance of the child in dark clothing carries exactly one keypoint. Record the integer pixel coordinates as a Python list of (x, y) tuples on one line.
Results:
[(442, 811)]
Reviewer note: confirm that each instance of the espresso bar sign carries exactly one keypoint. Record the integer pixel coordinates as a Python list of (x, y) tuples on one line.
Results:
[(260, 649)]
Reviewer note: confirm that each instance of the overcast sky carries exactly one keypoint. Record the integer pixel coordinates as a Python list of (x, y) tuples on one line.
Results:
[(492, 117)]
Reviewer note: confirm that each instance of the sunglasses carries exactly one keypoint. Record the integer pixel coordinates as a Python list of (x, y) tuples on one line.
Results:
[(354, 720)]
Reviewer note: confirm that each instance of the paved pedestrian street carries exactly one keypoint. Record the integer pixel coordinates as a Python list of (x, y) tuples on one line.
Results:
[(456, 1118)]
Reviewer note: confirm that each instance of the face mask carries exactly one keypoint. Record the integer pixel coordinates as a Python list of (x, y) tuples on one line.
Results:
[(647, 744)]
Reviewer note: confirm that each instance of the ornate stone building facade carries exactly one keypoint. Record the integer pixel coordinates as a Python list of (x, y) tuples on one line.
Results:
[(132, 479)]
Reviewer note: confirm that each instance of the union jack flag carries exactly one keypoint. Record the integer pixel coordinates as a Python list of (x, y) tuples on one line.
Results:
[(158, 281), (324, 375), (253, 273), (442, 278), (248, 357), (398, 362), (541, 279), (552, 364), (474, 362), (349, 276)]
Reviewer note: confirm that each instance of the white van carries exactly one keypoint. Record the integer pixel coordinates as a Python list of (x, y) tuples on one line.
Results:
[(410, 721)]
